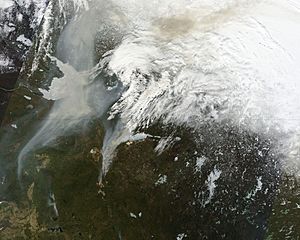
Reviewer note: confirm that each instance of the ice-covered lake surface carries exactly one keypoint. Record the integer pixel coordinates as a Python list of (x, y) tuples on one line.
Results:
[(195, 102)]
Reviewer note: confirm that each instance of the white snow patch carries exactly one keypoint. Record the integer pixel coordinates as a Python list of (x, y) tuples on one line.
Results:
[(20, 17), (27, 97), (6, 28), (258, 188), (161, 180), (5, 61), (93, 151), (211, 185), (45, 39), (27, 42), (6, 3), (52, 203), (199, 163), (181, 236)]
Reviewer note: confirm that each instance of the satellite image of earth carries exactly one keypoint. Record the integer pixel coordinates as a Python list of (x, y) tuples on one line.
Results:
[(140, 120)]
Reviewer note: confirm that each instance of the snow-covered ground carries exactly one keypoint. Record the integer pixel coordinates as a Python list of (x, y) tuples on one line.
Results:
[(6, 3), (18, 22), (5, 62)]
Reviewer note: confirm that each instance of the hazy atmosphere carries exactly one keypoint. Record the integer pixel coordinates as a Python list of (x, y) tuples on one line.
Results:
[(134, 119)]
